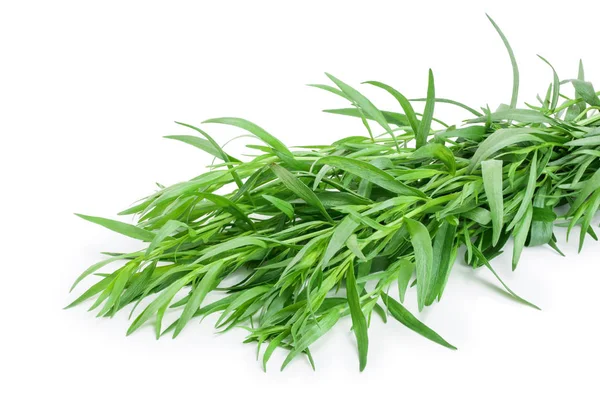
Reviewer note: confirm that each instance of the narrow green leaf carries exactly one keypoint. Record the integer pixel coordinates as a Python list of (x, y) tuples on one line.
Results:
[(479, 215), (352, 244), (218, 151), (359, 322), (370, 173), (247, 295), (93, 290), (365, 104), (555, 85), (501, 139), (594, 203), (443, 243), (438, 152), (404, 103), (588, 187), (121, 227), (329, 89), (453, 102), (425, 125), (580, 72), (405, 272), (163, 299), (167, 230), (586, 91), (118, 287), (340, 235), (312, 334), (256, 131), (475, 132), (527, 194), (391, 117), (485, 262), (282, 205), (139, 284), (90, 270), (541, 231), (300, 189), (202, 144), (315, 245), (271, 348), (208, 283), (491, 171), (513, 62), (446, 273), (586, 141), (543, 214), (407, 319), (229, 205), (381, 312), (230, 244), (516, 114), (520, 234), (421, 242)]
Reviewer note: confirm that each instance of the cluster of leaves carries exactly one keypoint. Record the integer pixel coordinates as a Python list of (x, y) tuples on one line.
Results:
[(363, 213)]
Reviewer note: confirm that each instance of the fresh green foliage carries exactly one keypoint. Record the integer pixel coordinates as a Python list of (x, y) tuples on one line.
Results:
[(277, 238)]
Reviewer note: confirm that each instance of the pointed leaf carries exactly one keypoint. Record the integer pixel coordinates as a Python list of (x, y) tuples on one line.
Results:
[(421, 242), (340, 235), (443, 243), (312, 334), (201, 144), (407, 319), (491, 171), (359, 322), (365, 104), (513, 62), (520, 233), (282, 205), (404, 103), (121, 227), (208, 283), (300, 189), (370, 173), (391, 117), (425, 125), (438, 152), (167, 230), (527, 194), (405, 272)]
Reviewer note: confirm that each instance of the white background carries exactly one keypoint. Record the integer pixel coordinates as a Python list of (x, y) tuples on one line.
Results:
[(88, 89)]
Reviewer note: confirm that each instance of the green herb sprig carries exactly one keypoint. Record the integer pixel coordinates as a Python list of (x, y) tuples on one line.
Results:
[(363, 213)]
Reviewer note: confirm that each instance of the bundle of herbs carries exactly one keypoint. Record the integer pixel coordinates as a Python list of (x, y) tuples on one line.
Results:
[(323, 232)]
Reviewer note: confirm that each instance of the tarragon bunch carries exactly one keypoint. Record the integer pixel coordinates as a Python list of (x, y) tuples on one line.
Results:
[(322, 232)]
